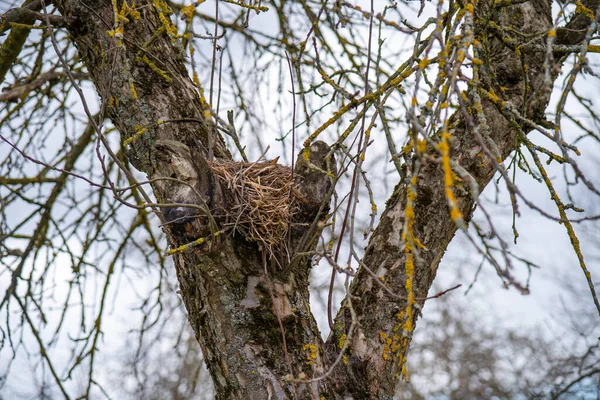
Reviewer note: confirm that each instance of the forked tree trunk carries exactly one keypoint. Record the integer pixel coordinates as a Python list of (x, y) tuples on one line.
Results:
[(236, 310)]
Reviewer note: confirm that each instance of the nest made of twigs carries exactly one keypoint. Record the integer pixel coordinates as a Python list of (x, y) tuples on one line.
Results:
[(260, 200)]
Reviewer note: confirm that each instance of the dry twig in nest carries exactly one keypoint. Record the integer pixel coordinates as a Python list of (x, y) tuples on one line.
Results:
[(263, 199)]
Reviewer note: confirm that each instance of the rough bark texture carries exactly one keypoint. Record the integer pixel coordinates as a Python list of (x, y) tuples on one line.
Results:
[(382, 329), (237, 299)]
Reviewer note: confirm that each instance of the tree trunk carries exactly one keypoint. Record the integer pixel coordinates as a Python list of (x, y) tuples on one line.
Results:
[(240, 300)]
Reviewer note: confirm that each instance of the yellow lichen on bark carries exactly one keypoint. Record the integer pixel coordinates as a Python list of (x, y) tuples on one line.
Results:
[(189, 246), (444, 149), (311, 351)]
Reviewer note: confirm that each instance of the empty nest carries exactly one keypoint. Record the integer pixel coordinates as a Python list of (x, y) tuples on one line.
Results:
[(260, 197)]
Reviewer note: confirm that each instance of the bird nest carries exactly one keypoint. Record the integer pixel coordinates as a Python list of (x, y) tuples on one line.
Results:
[(260, 197)]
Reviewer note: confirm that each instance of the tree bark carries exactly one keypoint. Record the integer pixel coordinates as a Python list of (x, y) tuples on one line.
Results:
[(239, 302), (13, 44)]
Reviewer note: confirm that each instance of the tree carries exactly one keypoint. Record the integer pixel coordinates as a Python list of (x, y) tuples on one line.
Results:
[(477, 359), (243, 236), (458, 351)]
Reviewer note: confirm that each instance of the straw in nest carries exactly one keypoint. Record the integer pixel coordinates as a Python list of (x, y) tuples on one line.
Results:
[(260, 197)]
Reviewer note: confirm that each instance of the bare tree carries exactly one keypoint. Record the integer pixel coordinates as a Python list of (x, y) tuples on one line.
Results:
[(462, 353), (465, 103), (459, 351)]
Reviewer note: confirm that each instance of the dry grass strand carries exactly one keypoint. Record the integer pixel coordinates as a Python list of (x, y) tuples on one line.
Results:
[(260, 197)]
